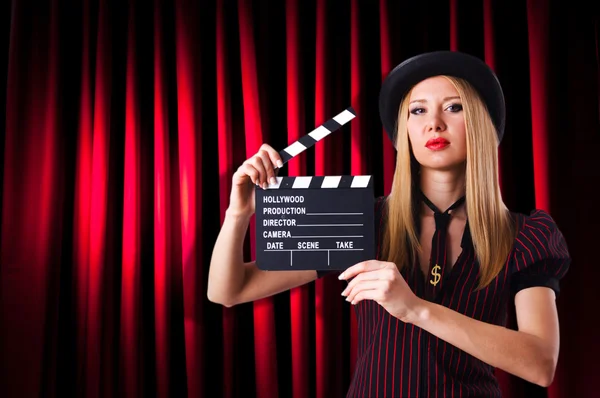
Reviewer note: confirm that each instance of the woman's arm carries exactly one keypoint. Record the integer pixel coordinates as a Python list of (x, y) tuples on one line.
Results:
[(530, 353), (231, 281)]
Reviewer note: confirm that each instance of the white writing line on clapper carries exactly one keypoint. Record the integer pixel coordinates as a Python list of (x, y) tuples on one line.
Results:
[(329, 225), (309, 250), (338, 236), (334, 214)]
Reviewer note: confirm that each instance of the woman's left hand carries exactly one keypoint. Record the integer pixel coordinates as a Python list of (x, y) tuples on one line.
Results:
[(382, 282)]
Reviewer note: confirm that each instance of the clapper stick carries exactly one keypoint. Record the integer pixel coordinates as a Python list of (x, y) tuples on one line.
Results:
[(317, 134), (315, 222)]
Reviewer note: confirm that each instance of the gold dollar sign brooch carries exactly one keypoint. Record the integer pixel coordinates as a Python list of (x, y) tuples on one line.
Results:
[(436, 275)]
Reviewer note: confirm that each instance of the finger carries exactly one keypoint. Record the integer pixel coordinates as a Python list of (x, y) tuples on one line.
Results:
[(356, 269), (364, 276), (366, 285), (268, 166), (246, 169), (262, 173), (273, 154), (366, 295)]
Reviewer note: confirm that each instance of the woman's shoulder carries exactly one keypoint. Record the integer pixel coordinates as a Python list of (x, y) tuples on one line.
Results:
[(537, 230), (534, 216), (540, 254)]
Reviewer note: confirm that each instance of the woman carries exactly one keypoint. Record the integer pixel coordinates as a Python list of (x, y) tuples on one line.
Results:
[(431, 308)]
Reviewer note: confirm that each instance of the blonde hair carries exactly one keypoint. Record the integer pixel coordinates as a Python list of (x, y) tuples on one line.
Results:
[(491, 226)]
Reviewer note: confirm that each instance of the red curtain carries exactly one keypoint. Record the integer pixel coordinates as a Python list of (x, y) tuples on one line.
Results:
[(123, 122)]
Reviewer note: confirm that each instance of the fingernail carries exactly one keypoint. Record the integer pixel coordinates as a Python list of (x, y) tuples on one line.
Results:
[(344, 293), (341, 276), (273, 180), (348, 299), (265, 185), (279, 163)]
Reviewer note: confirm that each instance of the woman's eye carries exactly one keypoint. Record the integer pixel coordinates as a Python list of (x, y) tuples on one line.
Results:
[(417, 111), (455, 108)]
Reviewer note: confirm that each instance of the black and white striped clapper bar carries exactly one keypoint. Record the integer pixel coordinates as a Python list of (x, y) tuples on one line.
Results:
[(315, 222)]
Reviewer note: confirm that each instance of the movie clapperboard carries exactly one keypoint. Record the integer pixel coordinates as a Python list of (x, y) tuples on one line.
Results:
[(315, 222)]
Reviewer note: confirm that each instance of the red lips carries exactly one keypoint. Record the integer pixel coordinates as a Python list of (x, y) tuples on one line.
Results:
[(437, 143)]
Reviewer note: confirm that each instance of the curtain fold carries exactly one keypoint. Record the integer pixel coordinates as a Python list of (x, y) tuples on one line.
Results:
[(265, 342), (130, 348), (190, 151), (226, 170), (81, 238), (387, 64), (299, 296), (123, 123)]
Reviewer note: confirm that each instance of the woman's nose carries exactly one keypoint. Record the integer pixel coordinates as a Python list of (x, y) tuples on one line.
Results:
[(436, 123)]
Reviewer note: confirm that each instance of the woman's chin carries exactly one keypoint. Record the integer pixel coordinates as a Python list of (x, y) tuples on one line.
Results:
[(445, 165)]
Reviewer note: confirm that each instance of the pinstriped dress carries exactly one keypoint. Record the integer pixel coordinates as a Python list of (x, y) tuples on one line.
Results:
[(396, 359)]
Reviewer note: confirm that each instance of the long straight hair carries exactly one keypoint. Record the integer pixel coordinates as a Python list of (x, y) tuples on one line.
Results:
[(491, 226)]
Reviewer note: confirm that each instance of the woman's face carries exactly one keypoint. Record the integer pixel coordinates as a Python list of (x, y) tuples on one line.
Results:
[(436, 124)]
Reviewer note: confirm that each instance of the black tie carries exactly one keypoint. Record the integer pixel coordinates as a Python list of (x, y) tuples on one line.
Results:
[(437, 260)]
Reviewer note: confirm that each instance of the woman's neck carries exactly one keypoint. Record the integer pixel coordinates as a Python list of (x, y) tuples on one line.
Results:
[(442, 188)]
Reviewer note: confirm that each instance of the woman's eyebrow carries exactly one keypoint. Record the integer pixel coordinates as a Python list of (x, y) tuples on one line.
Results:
[(444, 100)]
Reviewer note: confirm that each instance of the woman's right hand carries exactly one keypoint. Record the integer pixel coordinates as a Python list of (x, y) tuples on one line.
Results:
[(257, 170)]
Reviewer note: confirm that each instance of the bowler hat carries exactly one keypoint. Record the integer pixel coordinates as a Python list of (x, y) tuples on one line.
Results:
[(451, 63)]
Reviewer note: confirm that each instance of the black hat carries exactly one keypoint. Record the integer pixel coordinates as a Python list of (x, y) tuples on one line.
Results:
[(451, 63)]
